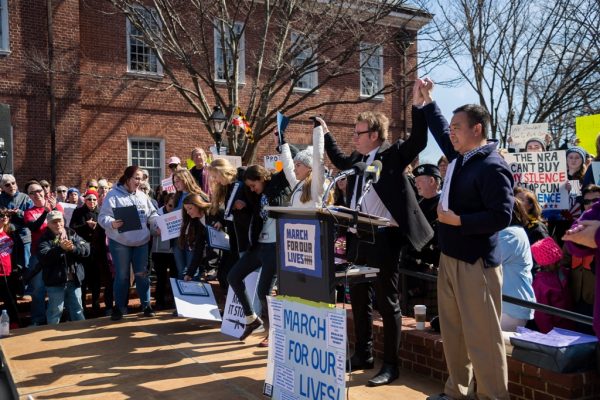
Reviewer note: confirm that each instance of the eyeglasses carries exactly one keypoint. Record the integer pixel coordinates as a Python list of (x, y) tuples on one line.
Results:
[(8, 184), (36, 191), (173, 165), (91, 199), (587, 202), (61, 191), (361, 132)]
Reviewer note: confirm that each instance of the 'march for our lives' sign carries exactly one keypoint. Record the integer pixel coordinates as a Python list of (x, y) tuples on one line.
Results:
[(307, 350), (300, 248)]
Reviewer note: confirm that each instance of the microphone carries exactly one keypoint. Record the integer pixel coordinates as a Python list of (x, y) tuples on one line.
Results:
[(373, 171), (357, 169)]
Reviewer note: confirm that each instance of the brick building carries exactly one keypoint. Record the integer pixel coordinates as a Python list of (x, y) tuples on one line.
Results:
[(104, 120)]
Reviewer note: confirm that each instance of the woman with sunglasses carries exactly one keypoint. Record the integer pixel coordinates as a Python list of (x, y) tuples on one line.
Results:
[(85, 223), (7, 293)]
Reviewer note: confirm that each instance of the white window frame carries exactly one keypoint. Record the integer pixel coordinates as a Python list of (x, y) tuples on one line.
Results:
[(161, 161), (152, 53), (4, 28), (367, 52), (241, 53), (310, 78)]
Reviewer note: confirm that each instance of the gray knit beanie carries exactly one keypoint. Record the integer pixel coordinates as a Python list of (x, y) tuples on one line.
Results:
[(305, 157)]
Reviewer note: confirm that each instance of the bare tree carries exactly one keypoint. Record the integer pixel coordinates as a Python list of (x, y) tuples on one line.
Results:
[(528, 60), (293, 39)]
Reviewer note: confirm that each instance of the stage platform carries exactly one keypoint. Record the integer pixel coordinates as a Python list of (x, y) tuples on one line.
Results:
[(156, 358)]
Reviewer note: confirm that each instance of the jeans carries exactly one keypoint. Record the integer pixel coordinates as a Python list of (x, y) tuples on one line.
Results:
[(69, 293), (183, 259), (264, 254), (38, 295), (124, 256)]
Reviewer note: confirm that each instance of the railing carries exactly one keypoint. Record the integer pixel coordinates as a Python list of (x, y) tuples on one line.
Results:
[(559, 312)]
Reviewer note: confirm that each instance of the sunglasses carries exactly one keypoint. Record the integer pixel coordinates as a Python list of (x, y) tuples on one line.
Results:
[(8, 184), (61, 191), (91, 199), (93, 187), (3, 216), (36, 191)]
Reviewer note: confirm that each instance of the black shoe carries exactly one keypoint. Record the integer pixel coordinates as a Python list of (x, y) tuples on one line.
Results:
[(441, 396), (356, 362), (149, 312), (116, 314), (386, 375), (251, 327)]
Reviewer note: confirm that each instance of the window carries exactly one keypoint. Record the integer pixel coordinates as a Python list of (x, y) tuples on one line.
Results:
[(308, 80), (4, 39), (141, 58), (228, 53), (148, 154), (371, 70)]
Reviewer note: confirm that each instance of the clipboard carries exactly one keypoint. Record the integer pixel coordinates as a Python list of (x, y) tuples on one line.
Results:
[(217, 239), (130, 217)]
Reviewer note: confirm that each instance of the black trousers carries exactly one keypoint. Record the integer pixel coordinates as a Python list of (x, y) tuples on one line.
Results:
[(383, 254)]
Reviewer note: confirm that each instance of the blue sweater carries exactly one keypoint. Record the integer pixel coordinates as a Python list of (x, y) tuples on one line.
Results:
[(481, 193)]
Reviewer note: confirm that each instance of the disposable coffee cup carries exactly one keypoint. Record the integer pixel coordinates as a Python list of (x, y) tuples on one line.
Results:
[(420, 313)]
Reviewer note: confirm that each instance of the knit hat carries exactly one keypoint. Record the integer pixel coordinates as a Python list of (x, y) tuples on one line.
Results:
[(578, 150), (305, 157), (90, 192), (546, 252), (71, 190), (540, 141)]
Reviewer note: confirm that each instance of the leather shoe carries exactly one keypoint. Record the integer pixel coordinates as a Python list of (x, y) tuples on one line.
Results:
[(386, 375), (356, 362), (254, 326)]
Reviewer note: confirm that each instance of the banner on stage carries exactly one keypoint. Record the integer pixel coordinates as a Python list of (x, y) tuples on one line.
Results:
[(307, 350), (300, 249), (195, 300), (545, 173), (520, 134), (167, 185), (169, 225), (234, 320)]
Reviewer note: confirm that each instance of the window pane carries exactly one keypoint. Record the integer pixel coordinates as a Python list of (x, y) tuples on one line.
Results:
[(146, 155)]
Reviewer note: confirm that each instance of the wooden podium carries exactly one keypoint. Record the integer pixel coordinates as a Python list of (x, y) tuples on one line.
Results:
[(305, 248)]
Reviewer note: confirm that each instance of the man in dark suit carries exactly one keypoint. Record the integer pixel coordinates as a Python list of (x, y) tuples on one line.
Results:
[(392, 197)]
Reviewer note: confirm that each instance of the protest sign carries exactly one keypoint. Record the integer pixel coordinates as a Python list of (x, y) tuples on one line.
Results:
[(273, 163), (169, 225), (236, 161), (520, 134), (195, 300), (234, 319), (544, 173), (587, 128), (300, 250), (307, 350), (68, 213), (596, 171), (167, 185)]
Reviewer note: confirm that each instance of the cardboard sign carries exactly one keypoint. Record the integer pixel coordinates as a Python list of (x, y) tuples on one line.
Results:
[(307, 350), (520, 134), (169, 225), (236, 161), (68, 211), (167, 185), (195, 300), (545, 174), (273, 163), (587, 128), (234, 320)]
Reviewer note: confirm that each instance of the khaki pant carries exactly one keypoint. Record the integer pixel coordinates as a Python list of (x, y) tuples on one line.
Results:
[(469, 301)]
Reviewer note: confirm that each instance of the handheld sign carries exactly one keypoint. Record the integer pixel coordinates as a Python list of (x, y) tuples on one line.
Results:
[(545, 174), (169, 225), (167, 185), (520, 134)]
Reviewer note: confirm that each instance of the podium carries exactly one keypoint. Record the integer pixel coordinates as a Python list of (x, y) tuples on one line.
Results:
[(305, 248)]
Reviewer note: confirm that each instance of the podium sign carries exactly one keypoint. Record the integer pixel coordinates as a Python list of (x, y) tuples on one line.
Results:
[(300, 247)]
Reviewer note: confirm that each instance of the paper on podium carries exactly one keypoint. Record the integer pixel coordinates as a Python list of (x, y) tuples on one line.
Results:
[(195, 300)]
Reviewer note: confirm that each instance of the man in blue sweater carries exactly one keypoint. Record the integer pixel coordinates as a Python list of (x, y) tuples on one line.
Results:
[(476, 203)]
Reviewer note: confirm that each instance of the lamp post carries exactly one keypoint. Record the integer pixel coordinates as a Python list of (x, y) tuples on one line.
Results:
[(217, 121)]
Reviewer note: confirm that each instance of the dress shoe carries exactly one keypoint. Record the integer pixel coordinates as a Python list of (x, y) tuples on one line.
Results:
[(356, 362), (254, 326), (386, 375)]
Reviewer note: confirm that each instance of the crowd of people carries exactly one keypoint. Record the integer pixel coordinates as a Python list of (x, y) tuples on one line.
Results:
[(464, 219)]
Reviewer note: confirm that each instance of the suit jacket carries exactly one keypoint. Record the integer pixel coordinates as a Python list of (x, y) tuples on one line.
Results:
[(393, 187)]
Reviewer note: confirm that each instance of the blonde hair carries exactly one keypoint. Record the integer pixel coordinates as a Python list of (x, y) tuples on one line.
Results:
[(223, 168), (376, 121), (189, 182)]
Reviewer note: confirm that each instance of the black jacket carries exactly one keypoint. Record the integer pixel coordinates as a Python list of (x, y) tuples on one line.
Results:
[(95, 237), (199, 248), (57, 263), (393, 187)]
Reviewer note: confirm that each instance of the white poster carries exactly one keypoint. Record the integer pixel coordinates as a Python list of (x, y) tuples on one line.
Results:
[(273, 162), (520, 134), (169, 225), (167, 185), (234, 320), (307, 350), (195, 300), (69, 208), (544, 173), (236, 161)]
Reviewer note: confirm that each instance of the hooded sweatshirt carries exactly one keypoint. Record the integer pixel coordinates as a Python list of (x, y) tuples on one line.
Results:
[(120, 197)]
